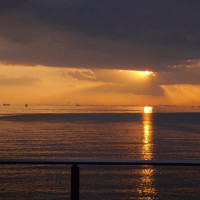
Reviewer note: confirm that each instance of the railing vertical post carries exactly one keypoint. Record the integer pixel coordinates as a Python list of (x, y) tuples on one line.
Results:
[(74, 182)]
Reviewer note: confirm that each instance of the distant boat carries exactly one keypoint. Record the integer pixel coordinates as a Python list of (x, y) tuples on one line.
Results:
[(78, 104), (6, 104)]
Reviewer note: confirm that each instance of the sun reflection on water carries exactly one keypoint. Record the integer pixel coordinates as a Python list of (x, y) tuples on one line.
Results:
[(147, 139), (147, 181)]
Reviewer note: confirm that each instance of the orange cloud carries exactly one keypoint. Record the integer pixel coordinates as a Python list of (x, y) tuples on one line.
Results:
[(46, 85)]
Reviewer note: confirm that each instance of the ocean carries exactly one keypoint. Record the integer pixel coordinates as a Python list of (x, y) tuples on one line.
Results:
[(100, 132)]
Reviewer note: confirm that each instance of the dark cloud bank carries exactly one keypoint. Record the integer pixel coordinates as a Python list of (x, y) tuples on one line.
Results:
[(124, 34)]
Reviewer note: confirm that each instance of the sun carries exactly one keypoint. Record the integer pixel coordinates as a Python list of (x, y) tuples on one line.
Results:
[(147, 73), (143, 73), (148, 109)]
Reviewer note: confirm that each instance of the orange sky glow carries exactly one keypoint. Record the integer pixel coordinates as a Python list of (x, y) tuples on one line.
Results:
[(50, 85)]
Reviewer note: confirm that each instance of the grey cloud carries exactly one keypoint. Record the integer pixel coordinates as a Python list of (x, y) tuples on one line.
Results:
[(131, 34), (187, 76), (9, 4), (135, 20)]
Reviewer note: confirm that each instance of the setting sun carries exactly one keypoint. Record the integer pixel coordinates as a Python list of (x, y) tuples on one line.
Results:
[(148, 109), (147, 73), (143, 73)]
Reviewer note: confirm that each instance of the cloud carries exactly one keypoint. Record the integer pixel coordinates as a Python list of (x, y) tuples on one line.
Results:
[(187, 76), (125, 81), (133, 89), (20, 81), (119, 81), (9, 4), (83, 75), (112, 34)]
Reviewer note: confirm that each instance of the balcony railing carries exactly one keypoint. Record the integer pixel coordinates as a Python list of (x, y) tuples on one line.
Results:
[(75, 163)]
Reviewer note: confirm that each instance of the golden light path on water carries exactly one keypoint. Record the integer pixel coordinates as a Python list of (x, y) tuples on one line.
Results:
[(147, 188)]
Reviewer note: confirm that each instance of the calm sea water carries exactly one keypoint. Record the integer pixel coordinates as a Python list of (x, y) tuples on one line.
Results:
[(106, 132)]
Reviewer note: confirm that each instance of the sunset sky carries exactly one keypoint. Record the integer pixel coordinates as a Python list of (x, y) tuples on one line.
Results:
[(111, 52)]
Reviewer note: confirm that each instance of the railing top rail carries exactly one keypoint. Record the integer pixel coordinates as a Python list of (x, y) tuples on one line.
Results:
[(100, 162)]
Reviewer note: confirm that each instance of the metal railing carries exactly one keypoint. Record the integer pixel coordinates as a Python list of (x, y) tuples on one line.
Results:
[(75, 163)]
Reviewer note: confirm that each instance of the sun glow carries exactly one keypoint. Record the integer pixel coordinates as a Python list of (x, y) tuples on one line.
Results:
[(143, 73), (147, 73), (148, 109)]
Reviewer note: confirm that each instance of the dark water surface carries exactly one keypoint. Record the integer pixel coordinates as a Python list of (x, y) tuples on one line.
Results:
[(145, 136)]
